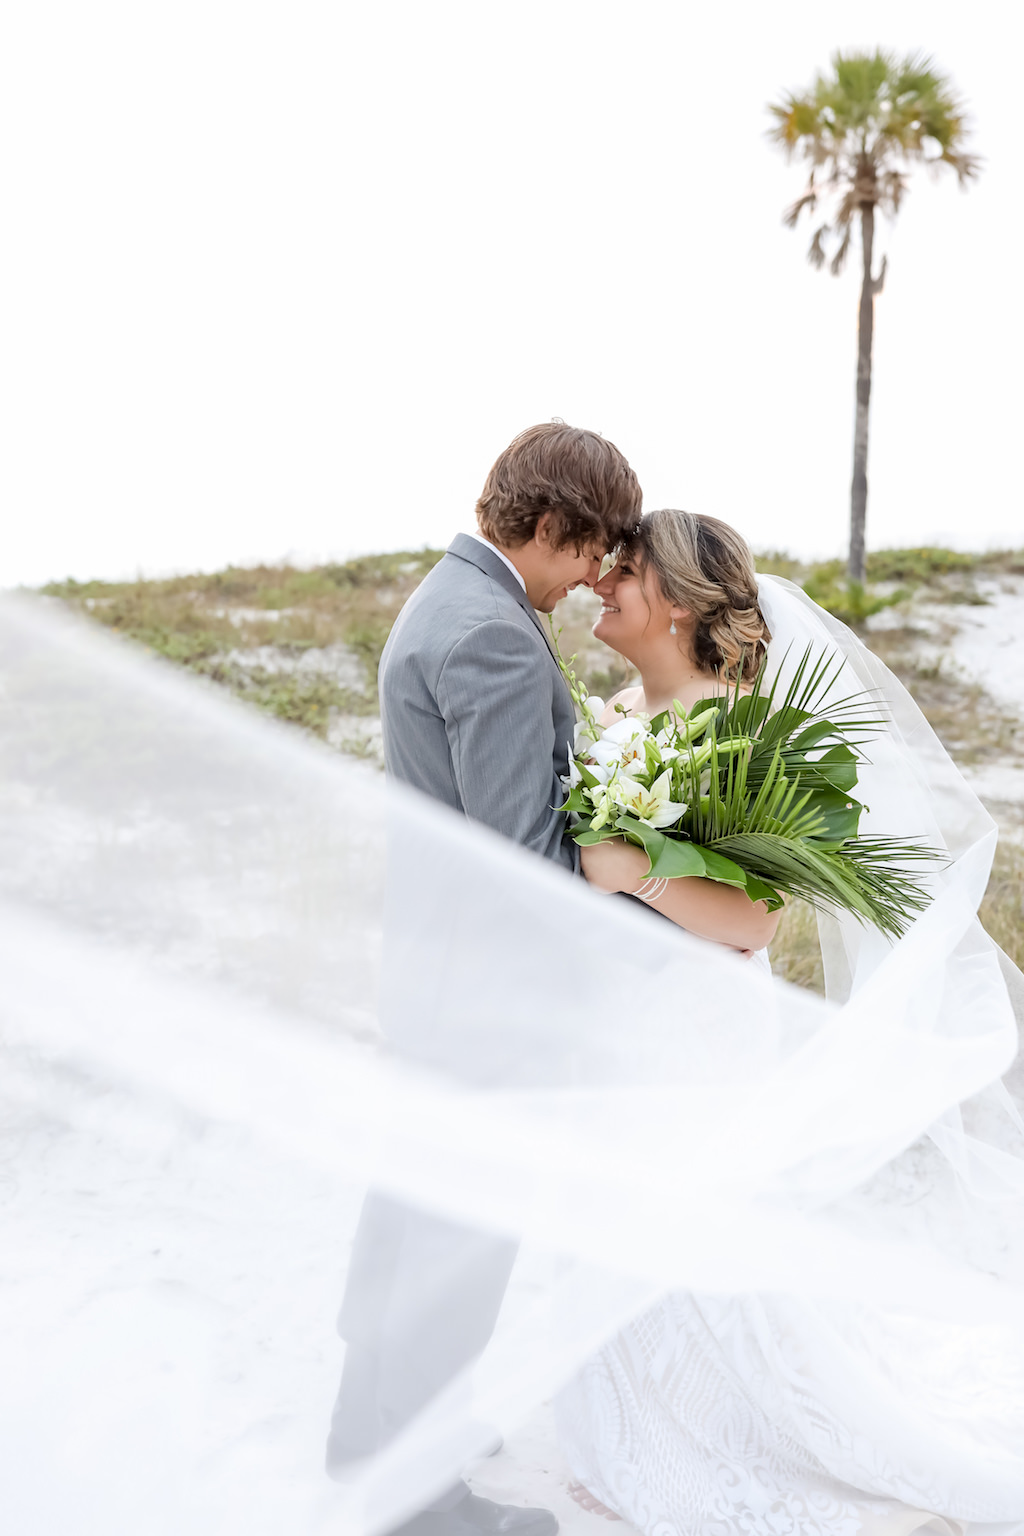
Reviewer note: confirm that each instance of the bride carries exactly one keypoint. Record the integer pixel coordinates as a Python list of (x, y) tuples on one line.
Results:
[(712, 1415), (681, 604)]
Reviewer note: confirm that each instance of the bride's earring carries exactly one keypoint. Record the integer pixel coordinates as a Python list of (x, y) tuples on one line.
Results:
[(672, 627)]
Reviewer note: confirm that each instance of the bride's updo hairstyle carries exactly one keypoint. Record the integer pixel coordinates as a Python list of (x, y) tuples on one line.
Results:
[(704, 565)]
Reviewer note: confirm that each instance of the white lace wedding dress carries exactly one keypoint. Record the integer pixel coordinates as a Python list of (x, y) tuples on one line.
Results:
[(775, 1416), (711, 1416)]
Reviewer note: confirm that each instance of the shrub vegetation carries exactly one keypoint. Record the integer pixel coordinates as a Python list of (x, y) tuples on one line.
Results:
[(218, 624)]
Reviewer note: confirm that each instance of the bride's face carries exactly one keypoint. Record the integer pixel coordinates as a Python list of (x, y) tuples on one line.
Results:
[(632, 611)]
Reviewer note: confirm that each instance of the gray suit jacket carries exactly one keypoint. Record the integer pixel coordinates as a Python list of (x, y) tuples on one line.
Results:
[(475, 711)]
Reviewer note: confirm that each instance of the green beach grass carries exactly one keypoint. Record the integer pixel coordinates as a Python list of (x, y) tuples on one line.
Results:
[(247, 630)]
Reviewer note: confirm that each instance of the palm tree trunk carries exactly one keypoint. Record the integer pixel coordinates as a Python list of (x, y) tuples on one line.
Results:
[(865, 329)]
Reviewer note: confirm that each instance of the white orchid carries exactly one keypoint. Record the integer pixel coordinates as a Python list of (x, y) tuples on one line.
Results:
[(654, 806), (622, 749)]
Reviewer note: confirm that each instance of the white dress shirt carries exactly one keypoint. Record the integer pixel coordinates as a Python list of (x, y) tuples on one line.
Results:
[(501, 556)]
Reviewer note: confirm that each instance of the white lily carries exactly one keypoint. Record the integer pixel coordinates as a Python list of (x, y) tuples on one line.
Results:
[(622, 749), (573, 777), (654, 806)]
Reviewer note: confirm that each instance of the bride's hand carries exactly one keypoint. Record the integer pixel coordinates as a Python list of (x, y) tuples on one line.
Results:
[(722, 913), (614, 865)]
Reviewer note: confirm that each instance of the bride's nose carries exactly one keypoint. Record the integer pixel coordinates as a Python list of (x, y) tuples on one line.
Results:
[(606, 586)]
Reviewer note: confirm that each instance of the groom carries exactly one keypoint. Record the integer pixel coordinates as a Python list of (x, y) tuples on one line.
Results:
[(475, 713)]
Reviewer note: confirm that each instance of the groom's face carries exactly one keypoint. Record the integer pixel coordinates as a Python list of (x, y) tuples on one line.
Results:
[(553, 572), (566, 570)]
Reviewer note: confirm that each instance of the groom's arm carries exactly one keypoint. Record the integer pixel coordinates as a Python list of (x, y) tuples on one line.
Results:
[(494, 692)]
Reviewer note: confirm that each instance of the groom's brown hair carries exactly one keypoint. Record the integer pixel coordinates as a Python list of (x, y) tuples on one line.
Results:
[(578, 476)]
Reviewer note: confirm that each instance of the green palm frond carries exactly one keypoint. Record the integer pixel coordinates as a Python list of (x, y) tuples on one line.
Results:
[(806, 703), (783, 809), (873, 883)]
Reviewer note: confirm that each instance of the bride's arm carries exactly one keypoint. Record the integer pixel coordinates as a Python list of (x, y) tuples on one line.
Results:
[(705, 907)]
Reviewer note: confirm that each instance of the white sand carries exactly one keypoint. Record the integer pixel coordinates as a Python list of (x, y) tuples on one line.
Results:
[(989, 643), (981, 644)]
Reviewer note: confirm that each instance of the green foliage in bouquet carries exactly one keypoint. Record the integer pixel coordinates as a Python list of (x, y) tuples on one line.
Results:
[(750, 789)]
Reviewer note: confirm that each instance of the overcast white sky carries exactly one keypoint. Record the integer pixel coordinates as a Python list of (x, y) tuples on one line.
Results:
[(283, 278)]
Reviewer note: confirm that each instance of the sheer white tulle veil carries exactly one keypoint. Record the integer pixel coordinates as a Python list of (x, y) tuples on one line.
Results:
[(243, 980)]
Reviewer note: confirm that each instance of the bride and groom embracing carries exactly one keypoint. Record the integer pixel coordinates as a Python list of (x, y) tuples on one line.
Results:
[(707, 1415)]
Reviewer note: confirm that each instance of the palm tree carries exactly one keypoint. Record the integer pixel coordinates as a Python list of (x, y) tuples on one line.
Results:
[(862, 128)]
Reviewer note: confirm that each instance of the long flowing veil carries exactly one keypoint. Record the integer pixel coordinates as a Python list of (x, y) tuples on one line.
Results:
[(913, 790), (244, 980)]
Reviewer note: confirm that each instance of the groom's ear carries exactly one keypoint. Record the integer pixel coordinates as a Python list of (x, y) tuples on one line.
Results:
[(544, 533)]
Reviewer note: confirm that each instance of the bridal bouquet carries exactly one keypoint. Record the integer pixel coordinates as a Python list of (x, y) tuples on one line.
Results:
[(750, 790)]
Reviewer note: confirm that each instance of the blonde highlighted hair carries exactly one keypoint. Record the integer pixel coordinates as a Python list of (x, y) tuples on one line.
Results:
[(705, 566)]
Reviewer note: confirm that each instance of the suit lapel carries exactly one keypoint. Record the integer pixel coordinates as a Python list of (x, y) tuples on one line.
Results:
[(464, 547)]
